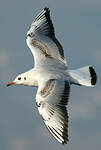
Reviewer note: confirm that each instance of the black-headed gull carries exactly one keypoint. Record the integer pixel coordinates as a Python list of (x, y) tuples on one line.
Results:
[(52, 76)]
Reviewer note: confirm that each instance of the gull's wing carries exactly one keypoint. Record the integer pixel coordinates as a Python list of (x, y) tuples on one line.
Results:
[(42, 41), (52, 98)]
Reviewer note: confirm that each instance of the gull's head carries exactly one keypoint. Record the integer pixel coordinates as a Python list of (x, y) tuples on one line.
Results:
[(20, 79)]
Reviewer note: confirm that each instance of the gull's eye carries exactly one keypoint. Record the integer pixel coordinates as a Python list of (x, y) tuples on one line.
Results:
[(19, 78)]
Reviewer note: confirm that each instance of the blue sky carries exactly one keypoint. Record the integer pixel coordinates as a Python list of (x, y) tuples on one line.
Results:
[(78, 27)]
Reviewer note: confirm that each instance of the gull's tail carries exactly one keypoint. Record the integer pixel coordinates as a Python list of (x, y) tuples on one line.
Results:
[(83, 76)]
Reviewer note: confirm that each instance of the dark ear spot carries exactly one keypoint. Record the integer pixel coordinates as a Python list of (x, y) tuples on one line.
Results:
[(19, 78), (24, 78)]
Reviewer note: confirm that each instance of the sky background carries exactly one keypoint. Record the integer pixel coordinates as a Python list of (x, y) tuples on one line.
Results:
[(78, 27)]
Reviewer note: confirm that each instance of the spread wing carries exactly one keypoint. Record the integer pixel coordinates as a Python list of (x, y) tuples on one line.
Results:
[(42, 41), (51, 100)]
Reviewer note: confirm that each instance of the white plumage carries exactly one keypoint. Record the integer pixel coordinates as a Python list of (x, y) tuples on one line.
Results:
[(51, 75)]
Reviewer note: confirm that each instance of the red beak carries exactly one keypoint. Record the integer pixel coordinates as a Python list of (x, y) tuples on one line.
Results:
[(11, 83)]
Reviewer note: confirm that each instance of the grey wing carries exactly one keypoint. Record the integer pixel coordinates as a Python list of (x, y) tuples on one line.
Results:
[(51, 100), (42, 36)]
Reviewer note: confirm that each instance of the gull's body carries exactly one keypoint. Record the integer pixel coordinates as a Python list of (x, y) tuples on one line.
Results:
[(52, 76)]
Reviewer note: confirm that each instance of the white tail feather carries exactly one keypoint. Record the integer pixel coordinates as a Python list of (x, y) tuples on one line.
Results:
[(83, 76)]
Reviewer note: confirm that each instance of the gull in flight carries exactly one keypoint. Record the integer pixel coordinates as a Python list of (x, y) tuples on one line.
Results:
[(52, 76)]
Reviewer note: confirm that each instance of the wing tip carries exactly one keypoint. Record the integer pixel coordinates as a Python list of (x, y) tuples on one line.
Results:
[(62, 140), (46, 9), (93, 75), (47, 15), (65, 142), (45, 24)]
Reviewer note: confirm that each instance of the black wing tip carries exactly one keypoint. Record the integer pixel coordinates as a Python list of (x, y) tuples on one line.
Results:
[(47, 9), (47, 25), (47, 15), (93, 75), (65, 142), (44, 11)]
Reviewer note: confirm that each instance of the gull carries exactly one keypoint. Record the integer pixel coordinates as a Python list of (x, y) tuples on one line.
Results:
[(52, 76)]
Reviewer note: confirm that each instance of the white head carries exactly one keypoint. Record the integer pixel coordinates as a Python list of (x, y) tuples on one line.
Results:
[(20, 79)]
